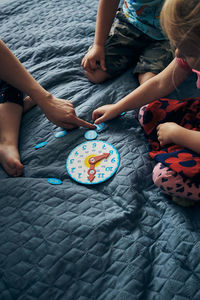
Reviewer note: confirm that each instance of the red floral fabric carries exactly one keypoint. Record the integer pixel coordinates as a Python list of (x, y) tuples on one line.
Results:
[(184, 112)]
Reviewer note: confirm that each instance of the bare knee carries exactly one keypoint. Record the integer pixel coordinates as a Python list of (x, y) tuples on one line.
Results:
[(160, 174), (97, 76)]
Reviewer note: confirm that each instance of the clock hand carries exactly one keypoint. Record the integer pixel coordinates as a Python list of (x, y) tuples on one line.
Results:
[(91, 172), (92, 161), (95, 159)]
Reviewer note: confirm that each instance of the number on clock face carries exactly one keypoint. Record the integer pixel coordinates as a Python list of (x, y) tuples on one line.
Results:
[(92, 162)]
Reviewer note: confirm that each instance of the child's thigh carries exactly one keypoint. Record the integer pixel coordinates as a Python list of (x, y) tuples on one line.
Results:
[(155, 57), (123, 46), (10, 94)]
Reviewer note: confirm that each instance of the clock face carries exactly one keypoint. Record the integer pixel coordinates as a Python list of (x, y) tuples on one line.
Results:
[(92, 162)]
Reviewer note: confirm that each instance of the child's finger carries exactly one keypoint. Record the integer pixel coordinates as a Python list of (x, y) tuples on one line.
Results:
[(86, 66), (93, 64), (96, 114), (102, 64), (82, 62), (100, 120), (81, 122)]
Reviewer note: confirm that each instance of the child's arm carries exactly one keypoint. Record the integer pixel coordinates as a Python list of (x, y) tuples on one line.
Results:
[(158, 86), (105, 15), (58, 111), (171, 132)]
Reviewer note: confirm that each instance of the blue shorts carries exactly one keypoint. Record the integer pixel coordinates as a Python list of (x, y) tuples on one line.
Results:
[(10, 94)]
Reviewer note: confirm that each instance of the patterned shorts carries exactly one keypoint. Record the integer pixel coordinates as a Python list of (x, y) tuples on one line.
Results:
[(127, 46), (170, 180), (10, 94)]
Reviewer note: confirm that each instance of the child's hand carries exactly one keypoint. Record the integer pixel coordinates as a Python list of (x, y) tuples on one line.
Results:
[(105, 113), (96, 54), (61, 113), (166, 133)]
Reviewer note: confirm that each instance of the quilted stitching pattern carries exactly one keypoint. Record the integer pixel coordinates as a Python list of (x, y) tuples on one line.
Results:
[(120, 240)]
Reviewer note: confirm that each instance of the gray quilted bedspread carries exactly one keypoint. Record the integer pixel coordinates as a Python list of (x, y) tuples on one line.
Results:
[(122, 239)]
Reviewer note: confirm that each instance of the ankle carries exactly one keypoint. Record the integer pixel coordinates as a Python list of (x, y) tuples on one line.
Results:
[(7, 142)]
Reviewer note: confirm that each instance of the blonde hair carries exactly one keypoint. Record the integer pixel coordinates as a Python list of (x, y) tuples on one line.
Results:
[(180, 20)]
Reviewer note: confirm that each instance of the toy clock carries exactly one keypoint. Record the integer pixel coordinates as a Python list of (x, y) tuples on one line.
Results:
[(92, 162)]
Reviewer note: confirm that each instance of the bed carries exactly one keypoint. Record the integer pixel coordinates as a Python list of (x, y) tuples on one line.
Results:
[(121, 239)]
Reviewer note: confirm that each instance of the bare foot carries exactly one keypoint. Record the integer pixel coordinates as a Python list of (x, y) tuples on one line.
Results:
[(10, 160), (28, 104)]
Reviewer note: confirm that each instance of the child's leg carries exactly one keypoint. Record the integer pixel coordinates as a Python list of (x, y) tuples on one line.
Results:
[(173, 184), (155, 58), (141, 114), (98, 76), (11, 107), (28, 104), (122, 50), (10, 117)]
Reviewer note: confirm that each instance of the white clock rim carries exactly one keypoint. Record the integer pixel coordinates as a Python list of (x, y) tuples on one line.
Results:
[(103, 180)]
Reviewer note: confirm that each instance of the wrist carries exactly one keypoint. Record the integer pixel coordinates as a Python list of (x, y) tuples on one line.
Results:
[(41, 97), (99, 44), (118, 108), (178, 134)]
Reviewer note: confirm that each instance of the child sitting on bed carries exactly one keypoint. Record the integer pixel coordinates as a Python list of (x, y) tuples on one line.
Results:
[(14, 76), (135, 39), (172, 126)]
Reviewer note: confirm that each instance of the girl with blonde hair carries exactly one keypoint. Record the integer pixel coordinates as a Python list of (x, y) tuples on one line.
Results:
[(172, 126)]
